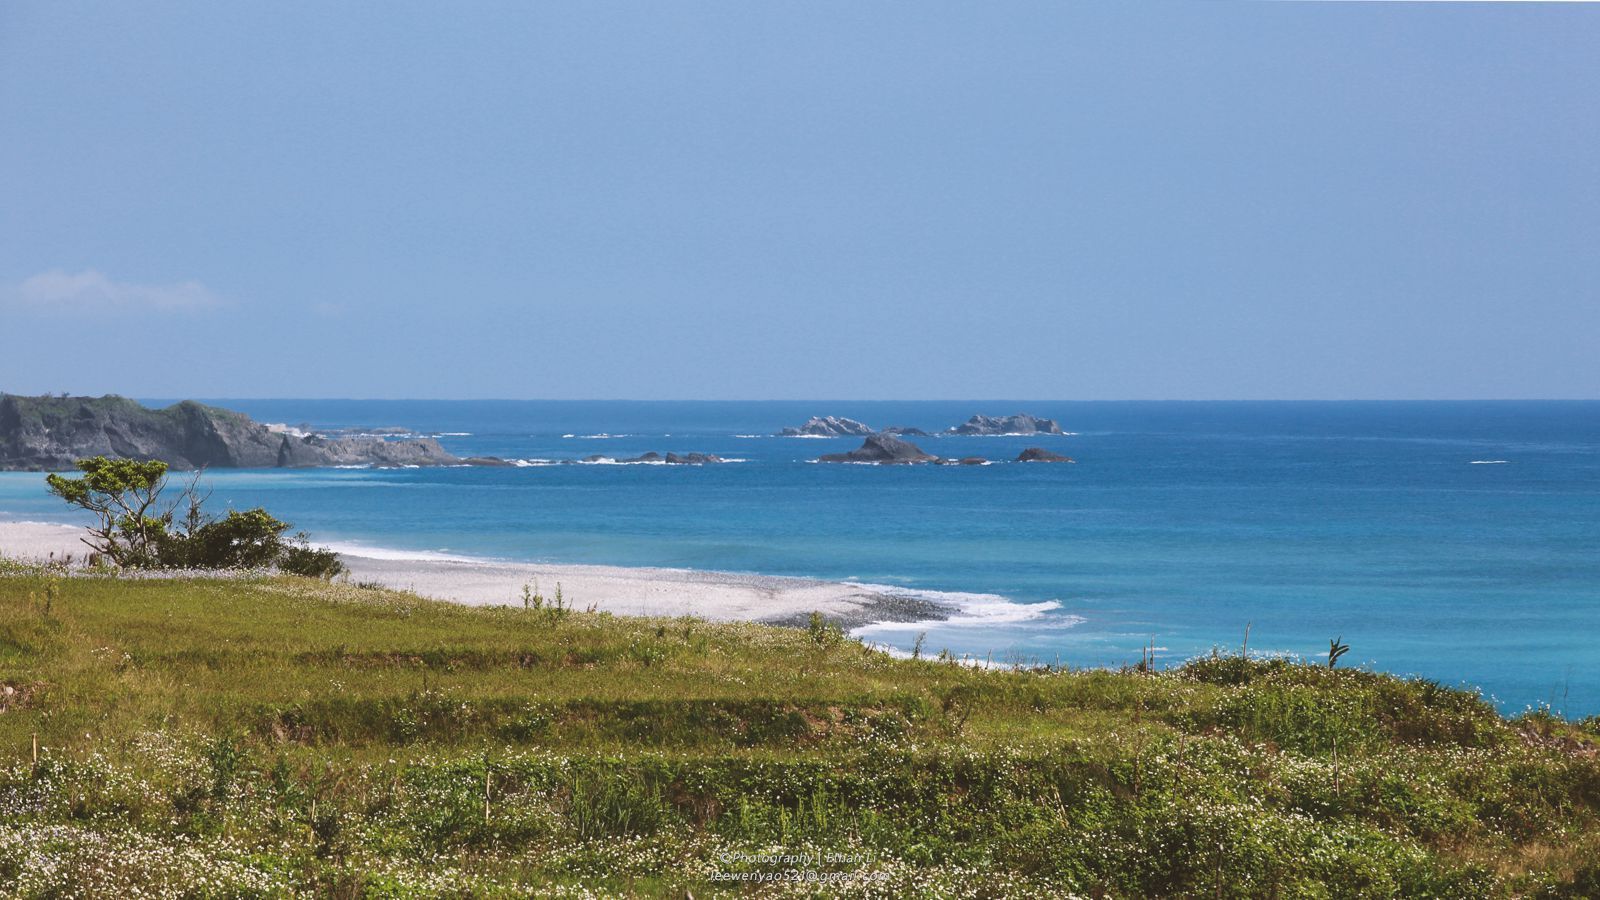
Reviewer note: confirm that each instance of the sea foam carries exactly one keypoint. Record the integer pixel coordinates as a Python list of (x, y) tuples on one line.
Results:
[(367, 551)]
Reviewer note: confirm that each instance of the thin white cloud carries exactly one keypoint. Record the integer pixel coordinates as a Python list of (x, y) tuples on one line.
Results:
[(91, 290)]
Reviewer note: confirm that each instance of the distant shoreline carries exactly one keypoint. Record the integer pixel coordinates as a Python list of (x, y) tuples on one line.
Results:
[(622, 590)]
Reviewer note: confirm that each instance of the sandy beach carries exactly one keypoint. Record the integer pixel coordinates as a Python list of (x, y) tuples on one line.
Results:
[(40, 541), (721, 596)]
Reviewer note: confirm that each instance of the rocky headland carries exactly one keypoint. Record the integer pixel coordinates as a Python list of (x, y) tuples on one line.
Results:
[(51, 433)]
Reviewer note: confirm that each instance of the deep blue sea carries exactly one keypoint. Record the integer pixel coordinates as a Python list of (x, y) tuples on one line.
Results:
[(1455, 540)]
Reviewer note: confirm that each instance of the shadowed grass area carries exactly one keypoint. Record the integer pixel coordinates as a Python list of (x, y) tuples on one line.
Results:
[(286, 737)]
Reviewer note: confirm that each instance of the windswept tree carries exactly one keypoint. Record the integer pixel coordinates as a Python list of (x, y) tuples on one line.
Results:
[(137, 529), (124, 495)]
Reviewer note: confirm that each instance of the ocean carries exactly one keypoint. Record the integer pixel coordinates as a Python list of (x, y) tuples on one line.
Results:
[(1458, 541)]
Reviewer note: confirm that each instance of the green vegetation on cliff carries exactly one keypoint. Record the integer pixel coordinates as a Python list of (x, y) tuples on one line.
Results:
[(290, 737)]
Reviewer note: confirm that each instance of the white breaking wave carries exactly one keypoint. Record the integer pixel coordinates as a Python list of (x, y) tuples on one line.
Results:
[(367, 551), (981, 610), (969, 610), (455, 434), (1488, 462), (45, 524)]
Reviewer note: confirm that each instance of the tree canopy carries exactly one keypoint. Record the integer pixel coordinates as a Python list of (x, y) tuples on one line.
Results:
[(135, 528)]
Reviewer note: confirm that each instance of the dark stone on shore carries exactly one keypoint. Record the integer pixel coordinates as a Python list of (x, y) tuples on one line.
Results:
[(1020, 423), (882, 449), (486, 461), (827, 426), (1039, 454), (905, 431), (51, 433), (973, 461), (879, 608)]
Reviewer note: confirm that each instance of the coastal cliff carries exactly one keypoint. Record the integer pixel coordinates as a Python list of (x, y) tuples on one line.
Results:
[(45, 433)]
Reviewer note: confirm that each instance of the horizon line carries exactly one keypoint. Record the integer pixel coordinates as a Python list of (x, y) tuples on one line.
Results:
[(884, 399)]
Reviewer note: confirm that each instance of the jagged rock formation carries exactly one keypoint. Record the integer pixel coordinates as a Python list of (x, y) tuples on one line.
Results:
[(883, 449), (1020, 423), (905, 431), (45, 433), (827, 426), (971, 461), (1040, 454)]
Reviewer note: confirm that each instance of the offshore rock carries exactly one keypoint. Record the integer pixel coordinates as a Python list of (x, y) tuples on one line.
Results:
[(1040, 454), (827, 426), (883, 449), (1020, 423), (671, 459)]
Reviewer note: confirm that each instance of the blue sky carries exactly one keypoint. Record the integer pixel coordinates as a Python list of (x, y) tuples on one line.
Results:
[(800, 200)]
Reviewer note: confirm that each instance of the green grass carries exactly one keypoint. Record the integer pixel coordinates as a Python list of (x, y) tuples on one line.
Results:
[(285, 737)]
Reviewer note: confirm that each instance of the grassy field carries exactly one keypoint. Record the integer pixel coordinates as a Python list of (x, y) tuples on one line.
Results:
[(286, 737)]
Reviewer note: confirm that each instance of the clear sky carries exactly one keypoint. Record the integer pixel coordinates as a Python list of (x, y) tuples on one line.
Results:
[(800, 200)]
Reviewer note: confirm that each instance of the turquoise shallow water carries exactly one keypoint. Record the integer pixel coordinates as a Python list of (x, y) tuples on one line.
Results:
[(1460, 541)]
